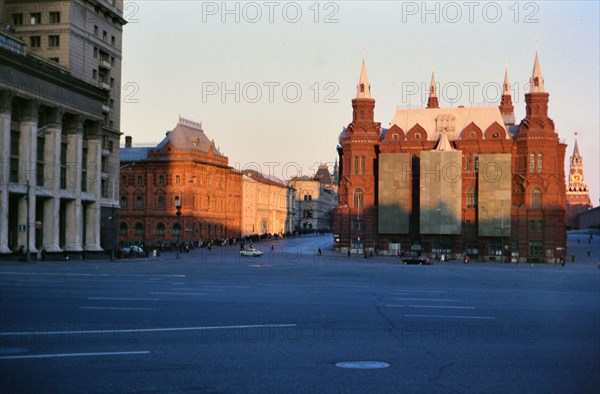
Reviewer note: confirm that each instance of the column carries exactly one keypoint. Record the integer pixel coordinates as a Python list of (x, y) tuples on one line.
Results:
[(51, 223), (74, 131), (94, 167), (5, 118), (27, 173)]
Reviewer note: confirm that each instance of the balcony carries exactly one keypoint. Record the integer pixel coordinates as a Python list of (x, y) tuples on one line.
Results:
[(104, 85), (105, 108), (105, 64)]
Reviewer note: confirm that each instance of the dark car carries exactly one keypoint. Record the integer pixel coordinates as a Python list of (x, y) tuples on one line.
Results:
[(420, 260)]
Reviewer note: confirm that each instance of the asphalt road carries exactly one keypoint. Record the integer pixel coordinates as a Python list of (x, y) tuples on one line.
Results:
[(218, 323)]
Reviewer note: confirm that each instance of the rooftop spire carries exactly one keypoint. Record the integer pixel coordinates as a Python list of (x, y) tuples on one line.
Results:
[(433, 102), (506, 85), (363, 89), (536, 82), (576, 147)]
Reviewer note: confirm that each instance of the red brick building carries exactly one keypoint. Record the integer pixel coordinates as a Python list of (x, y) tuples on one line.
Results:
[(184, 169), (453, 181)]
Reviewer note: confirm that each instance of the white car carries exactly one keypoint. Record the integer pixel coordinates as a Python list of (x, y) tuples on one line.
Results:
[(251, 252)]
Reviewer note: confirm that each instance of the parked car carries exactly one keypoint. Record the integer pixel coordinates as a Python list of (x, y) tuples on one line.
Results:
[(132, 251), (420, 260), (251, 252)]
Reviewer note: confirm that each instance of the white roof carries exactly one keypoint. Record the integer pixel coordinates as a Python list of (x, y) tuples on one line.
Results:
[(452, 120)]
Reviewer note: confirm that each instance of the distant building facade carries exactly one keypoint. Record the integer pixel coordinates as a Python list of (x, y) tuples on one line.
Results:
[(185, 169), (578, 194), (316, 198), (265, 205), (455, 181)]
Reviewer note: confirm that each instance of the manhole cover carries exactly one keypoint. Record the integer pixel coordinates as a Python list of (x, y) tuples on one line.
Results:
[(362, 364)]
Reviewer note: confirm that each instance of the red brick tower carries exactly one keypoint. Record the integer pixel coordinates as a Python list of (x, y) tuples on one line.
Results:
[(355, 218), (539, 204), (506, 105), (578, 194), (432, 101)]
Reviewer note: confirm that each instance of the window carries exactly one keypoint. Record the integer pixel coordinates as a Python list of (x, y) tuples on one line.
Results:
[(123, 229), (417, 136), (539, 163), (536, 198), (35, 41), (54, 17), (177, 179), (161, 202), (53, 59), (467, 225), (139, 229), (123, 180), (531, 162), (358, 198), (176, 229), (112, 60), (95, 53), (161, 180), (36, 18), (362, 165), (113, 40), (17, 19), (469, 166), (531, 225), (139, 179), (123, 202), (95, 30), (139, 202), (94, 75), (104, 36), (540, 225), (53, 41), (160, 229), (356, 164), (104, 188), (356, 224), (471, 198), (535, 249)]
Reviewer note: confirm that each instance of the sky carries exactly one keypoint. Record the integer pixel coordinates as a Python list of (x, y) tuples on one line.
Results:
[(272, 82)]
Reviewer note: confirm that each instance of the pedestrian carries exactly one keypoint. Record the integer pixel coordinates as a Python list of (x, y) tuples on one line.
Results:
[(272, 249), (572, 258), (348, 252), (319, 251), (589, 252)]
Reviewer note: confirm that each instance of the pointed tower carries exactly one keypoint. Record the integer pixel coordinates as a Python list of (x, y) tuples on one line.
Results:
[(355, 218), (578, 194), (506, 105), (432, 102), (539, 190)]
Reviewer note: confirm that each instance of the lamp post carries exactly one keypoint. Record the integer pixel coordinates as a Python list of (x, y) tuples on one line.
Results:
[(113, 217), (40, 131), (178, 207), (440, 224)]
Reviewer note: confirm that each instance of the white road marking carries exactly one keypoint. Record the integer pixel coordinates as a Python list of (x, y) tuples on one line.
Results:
[(122, 299), (441, 306), (93, 275), (109, 308), (419, 291), (454, 317), (73, 355), (168, 293), (167, 329), (425, 299)]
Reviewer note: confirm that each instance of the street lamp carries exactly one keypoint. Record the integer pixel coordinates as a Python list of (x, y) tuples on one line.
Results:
[(178, 207), (440, 224), (112, 218), (40, 131)]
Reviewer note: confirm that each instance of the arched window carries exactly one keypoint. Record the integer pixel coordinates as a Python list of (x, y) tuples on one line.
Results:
[(362, 165), (123, 229), (536, 198), (539, 162), (161, 202), (177, 179), (139, 229), (471, 198), (160, 229), (356, 164), (176, 229), (531, 162), (358, 198), (123, 202), (139, 202)]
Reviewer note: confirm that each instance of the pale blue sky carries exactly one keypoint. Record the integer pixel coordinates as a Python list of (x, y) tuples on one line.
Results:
[(179, 56)]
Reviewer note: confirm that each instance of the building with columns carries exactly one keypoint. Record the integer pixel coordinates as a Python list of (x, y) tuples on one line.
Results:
[(56, 174), (578, 194), (454, 181), (185, 169)]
